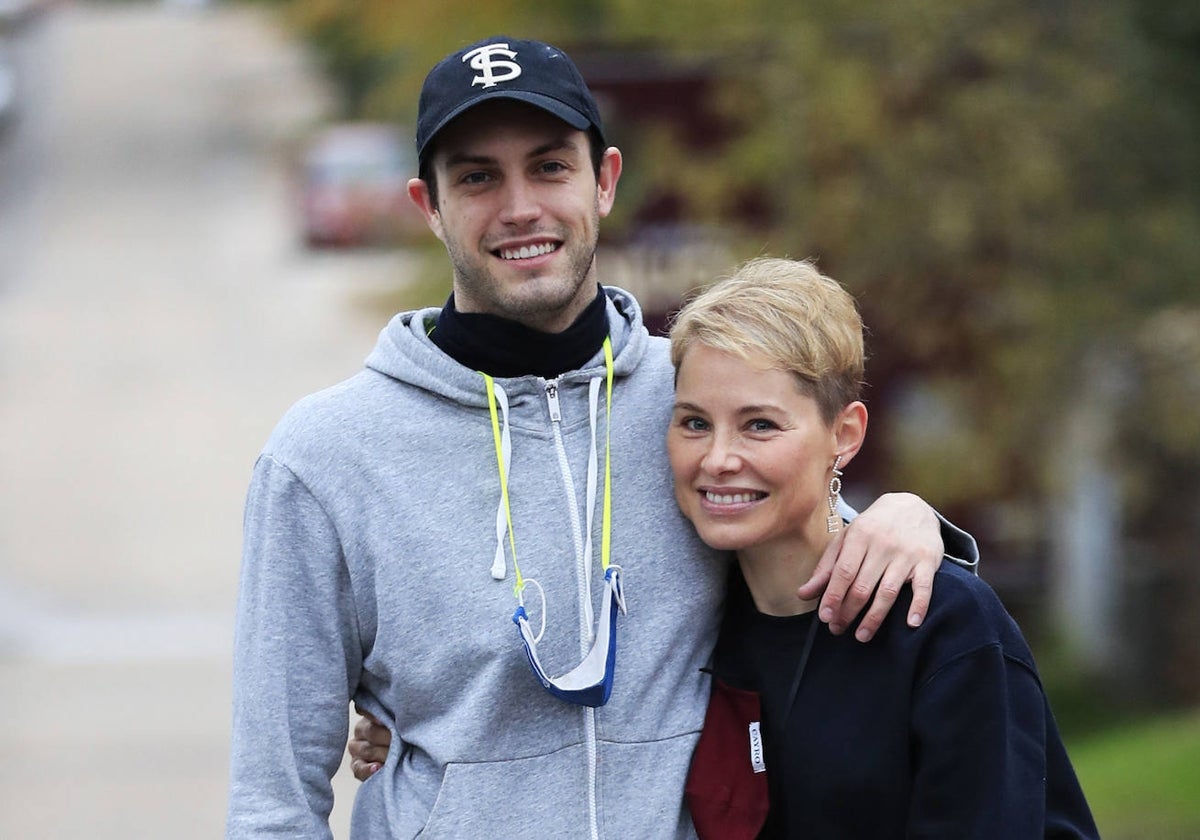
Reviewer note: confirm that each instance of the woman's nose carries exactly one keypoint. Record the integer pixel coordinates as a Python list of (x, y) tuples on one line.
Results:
[(721, 457)]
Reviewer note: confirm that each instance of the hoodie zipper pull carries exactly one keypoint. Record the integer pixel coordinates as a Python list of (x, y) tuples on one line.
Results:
[(552, 398)]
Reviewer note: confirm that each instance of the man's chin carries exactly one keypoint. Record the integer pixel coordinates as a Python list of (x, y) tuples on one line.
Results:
[(548, 307)]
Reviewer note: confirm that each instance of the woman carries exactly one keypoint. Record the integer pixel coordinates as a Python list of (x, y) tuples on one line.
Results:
[(945, 728)]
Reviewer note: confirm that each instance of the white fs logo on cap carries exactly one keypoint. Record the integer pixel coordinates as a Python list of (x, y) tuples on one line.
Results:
[(491, 67)]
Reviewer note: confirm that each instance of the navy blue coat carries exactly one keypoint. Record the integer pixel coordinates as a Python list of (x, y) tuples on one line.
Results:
[(943, 731)]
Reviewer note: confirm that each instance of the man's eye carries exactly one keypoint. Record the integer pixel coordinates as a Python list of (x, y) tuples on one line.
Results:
[(553, 167), (474, 178)]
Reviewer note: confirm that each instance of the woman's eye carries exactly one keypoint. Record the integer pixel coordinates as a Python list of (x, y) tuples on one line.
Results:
[(694, 424), (762, 425)]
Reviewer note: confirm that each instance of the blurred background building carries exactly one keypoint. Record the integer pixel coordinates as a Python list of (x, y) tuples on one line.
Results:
[(1010, 188)]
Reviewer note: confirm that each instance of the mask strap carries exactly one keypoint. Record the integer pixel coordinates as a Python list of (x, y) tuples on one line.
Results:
[(503, 444), (606, 527)]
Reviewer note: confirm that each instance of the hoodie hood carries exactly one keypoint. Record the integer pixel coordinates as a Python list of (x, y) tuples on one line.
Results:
[(405, 353)]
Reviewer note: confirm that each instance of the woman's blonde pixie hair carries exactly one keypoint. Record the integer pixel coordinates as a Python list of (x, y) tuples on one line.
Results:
[(787, 314)]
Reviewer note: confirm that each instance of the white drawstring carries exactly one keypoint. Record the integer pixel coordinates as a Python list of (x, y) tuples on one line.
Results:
[(499, 567), (545, 608), (593, 410)]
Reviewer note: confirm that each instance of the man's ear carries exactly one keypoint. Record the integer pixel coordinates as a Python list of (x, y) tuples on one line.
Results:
[(606, 181), (418, 193), (850, 430)]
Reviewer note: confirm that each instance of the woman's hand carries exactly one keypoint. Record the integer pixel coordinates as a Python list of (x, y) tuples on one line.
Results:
[(369, 744)]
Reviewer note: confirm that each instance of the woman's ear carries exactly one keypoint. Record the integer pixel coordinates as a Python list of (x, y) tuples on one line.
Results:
[(849, 431)]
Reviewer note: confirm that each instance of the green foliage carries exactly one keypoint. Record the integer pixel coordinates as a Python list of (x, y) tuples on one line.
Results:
[(1012, 190), (378, 51), (1141, 780), (1002, 183)]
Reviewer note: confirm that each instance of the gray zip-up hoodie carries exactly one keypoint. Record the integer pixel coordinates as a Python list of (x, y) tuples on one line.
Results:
[(370, 533)]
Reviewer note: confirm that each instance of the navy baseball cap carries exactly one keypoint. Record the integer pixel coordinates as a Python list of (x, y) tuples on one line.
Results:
[(504, 68)]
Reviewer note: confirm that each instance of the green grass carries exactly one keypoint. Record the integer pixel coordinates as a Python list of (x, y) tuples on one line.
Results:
[(1143, 780)]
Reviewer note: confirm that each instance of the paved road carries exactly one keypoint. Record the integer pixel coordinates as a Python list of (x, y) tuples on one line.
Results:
[(156, 318)]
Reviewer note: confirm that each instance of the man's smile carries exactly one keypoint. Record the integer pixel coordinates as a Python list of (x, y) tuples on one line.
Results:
[(525, 252)]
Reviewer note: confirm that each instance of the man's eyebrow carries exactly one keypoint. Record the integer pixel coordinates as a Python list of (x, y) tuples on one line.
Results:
[(555, 145), (467, 159)]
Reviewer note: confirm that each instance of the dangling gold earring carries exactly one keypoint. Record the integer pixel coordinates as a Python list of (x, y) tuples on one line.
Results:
[(834, 523)]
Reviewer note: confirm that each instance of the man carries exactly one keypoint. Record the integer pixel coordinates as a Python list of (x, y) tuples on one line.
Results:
[(499, 460)]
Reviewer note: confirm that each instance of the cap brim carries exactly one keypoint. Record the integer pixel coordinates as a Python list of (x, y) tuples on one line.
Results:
[(564, 112)]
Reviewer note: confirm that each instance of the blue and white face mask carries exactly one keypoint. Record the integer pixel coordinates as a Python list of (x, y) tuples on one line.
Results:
[(590, 682)]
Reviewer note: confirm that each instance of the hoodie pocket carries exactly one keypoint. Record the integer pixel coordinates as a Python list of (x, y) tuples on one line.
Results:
[(544, 796), (641, 789)]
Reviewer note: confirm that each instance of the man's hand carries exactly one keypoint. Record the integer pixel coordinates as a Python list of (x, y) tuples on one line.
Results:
[(896, 539), (368, 746)]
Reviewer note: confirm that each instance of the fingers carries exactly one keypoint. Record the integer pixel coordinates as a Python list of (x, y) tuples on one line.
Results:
[(363, 770), (365, 725), (851, 581), (368, 748), (885, 597), (362, 713), (889, 589), (816, 584), (922, 590), (369, 729), (377, 740), (367, 751)]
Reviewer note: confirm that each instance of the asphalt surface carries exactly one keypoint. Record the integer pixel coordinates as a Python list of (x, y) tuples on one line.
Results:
[(157, 315)]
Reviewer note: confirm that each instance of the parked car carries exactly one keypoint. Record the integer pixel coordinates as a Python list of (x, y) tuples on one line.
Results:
[(354, 187)]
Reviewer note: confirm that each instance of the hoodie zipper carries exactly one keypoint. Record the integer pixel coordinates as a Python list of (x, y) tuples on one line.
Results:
[(584, 593)]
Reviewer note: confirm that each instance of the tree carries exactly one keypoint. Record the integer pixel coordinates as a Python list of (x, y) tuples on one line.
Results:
[(1011, 189)]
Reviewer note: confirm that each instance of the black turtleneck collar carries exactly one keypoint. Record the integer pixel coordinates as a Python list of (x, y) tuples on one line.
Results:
[(500, 347)]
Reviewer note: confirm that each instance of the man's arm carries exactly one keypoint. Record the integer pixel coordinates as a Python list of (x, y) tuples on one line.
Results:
[(296, 660), (897, 539)]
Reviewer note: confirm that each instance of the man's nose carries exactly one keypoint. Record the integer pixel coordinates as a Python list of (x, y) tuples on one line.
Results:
[(520, 203)]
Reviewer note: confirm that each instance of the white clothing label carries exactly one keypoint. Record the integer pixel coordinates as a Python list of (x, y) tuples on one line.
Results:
[(756, 749)]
